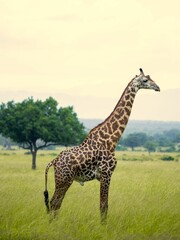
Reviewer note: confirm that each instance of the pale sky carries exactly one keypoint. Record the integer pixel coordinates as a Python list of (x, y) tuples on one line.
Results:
[(84, 52)]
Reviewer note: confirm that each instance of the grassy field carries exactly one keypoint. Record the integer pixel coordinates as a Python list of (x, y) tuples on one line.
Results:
[(144, 201)]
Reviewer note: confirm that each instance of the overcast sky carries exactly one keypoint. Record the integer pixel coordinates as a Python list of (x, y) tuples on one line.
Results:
[(78, 50)]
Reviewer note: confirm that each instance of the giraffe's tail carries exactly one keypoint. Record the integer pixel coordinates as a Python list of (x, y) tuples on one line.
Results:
[(46, 194)]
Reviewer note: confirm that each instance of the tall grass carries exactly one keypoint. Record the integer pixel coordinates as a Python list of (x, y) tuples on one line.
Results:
[(144, 202)]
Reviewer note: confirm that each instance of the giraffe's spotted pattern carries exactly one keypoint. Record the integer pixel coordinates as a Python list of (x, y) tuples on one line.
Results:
[(95, 157)]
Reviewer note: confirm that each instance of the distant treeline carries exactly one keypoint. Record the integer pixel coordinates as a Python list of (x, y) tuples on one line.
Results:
[(168, 141)]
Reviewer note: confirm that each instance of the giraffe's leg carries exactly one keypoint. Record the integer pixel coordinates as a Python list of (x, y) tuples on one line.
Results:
[(60, 191), (104, 190)]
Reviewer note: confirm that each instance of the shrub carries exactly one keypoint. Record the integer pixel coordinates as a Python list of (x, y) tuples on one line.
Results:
[(167, 158), (27, 153)]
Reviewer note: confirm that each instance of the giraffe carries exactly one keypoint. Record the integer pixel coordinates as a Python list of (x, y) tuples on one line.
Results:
[(95, 158)]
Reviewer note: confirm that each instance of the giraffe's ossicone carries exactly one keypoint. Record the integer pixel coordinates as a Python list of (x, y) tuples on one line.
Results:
[(95, 158)]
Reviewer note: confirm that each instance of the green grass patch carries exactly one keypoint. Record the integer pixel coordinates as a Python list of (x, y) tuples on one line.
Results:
[(143, 201)]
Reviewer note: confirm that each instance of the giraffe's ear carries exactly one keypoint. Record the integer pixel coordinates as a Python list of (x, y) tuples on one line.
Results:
[(141, 71)]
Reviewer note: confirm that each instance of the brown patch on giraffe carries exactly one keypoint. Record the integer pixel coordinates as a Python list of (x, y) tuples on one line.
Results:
[(113, 138), (113, 119), (127, 97), (94, 160), (83, 166), (101, 134), (100, 154), (81, 157), (128, 90), (90, 148), (109, 128), (117, 134), (74, 161), (127, 111), (104, 128), (123, 103), (122, 129), (129, 104), (122, 121), (106, 136), (115, 126), (125, 120)]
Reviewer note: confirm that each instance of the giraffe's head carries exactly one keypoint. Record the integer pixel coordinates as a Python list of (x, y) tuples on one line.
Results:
[(144, 82)]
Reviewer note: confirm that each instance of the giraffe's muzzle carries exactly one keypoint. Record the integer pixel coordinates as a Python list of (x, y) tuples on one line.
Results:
[(157, 89)]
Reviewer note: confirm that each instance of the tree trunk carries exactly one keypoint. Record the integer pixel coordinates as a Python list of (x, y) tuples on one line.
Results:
[(34, 153)]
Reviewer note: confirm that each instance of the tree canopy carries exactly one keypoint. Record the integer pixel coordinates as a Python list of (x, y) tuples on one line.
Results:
[(38, 124), (150, 146), (135, 139), (165, 141)]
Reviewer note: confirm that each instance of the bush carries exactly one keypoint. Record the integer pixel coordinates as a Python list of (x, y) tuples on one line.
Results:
[(167, 158), (27, 153)]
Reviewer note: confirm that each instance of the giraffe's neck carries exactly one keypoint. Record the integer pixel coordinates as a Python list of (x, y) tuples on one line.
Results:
[(110, 131)]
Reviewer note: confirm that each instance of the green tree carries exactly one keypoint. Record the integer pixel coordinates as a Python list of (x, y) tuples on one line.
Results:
[(37, 124), (161, 139), (150, 146), (134, 140), (71, 132), (177, 138), (172, 135)]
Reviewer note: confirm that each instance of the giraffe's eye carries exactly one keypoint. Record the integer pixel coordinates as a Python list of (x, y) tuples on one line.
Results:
[(145, 80)]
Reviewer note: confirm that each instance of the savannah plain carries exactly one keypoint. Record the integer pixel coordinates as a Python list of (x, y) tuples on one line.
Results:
[(143, 200)]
